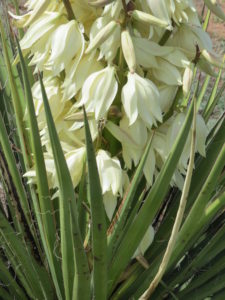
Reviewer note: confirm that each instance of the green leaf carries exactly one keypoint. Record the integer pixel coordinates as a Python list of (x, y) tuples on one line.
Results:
[(45, 210), (35, 276), (16, 176), (9, 281), (197, 220), (73, 256), (24, 141), (98, 221)]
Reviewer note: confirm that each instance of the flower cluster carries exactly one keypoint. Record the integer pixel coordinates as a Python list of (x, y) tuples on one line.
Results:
[(125, 61)]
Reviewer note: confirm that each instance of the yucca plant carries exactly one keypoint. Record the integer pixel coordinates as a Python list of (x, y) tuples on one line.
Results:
[(112, 184)]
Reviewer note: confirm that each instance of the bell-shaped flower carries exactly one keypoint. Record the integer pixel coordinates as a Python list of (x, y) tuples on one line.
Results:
[(187, 36), (167, 94), (145, 242), (140, 98), (168, 10), (84, 13), (134, 142), (165, 63), (111, 179), (35, 11), (43, 27), (67, 41), (99, 91), (201, 134), (110, 173), (109, 46), (53, 91), (134, 139), (110, 203), (77, 72), (75, 162)]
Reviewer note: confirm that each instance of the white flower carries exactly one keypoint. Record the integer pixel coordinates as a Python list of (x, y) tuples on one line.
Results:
[(110, 173), (165, 63), (75, 162), (111, 178), (140, 97), (145, 242), (171, 9), (53, 91), (84, 13), (77, 72), (109, 47), (67, 41), (187, 36), (99, 91), (41, 30), (110, 203), (164, 140), (166, 96), (134, 139)]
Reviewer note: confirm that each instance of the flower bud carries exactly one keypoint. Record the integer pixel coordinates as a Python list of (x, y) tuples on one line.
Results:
[(128, 50), (187, 79), (140, 98), (209, 57), (205, 66), (102, 36), (150, 19), (99, 91), (100, 3), (215, 8)]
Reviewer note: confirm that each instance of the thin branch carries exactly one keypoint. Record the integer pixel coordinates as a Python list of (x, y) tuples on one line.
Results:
[(69, 10)]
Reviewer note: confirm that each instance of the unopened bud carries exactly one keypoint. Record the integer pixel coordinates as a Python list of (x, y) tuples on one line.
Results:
[(215, 8), (149, 19), (187, 79), (205, 67), (128, 50), (100, 3), (209, 57), (102, 36), (79, 116)]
